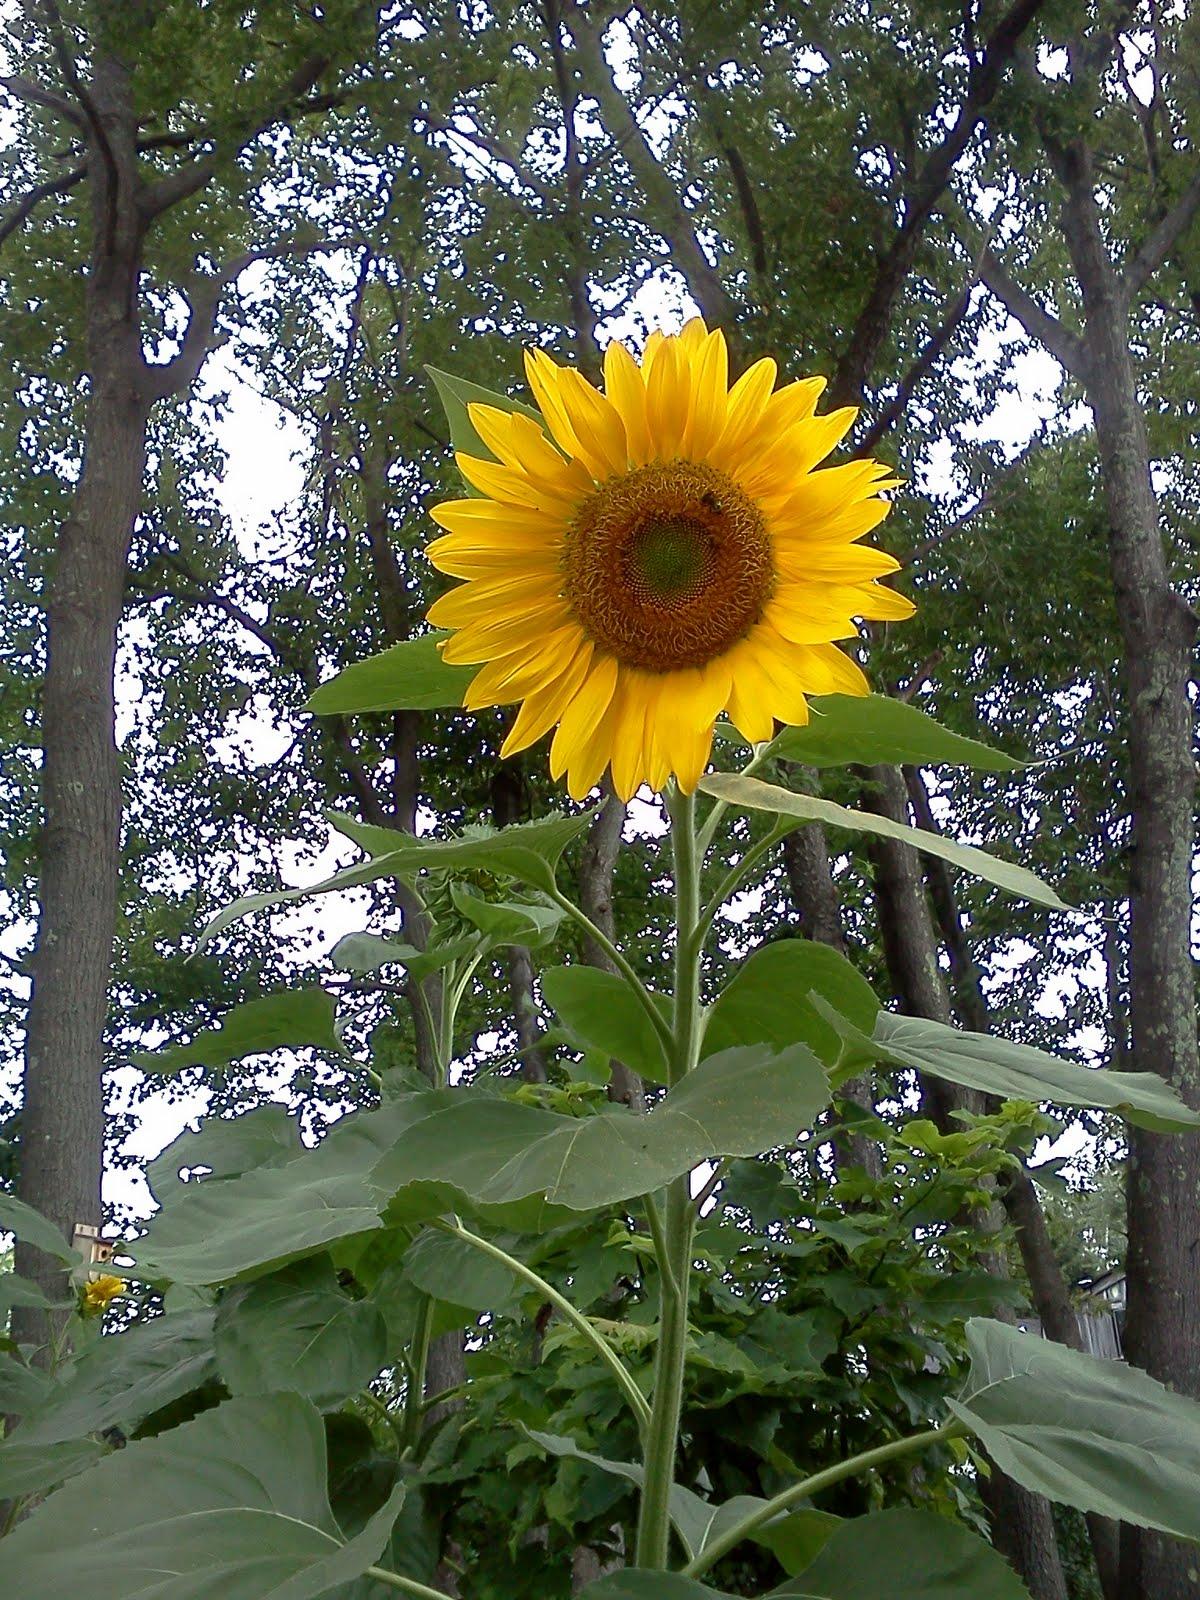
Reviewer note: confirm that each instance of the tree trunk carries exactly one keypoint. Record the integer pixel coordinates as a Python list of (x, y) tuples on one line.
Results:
[(597, 863), (1157, 632), (63, 1117), (1022, 1524)]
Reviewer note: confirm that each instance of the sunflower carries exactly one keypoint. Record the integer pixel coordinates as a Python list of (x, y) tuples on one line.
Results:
[(656, 554)]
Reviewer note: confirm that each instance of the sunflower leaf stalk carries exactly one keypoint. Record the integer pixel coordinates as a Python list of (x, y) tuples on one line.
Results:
[(673, 1240)]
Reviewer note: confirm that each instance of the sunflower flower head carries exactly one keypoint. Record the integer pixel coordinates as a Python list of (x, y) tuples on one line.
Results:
[(99, 1293), (649, 557)]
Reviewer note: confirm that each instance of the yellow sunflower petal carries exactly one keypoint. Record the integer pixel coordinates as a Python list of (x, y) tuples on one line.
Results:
[(595, 419), (511, 677), (513, 487), (748, 704), (710, 397), (747, 401), (541, 709), (629, 759), (520, 597), (518, 442), (483, 517), (667, 401), (827, 670), (579, 719), (626, 389), (877, 603), (483, 641), (556, 391)]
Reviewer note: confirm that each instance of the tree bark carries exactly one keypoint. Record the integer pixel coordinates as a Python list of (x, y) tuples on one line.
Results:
[(1022, 1524), (1158, 635), (597, 863), (63, 1117)]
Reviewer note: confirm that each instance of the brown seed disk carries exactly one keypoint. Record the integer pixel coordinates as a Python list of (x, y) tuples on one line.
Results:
[(668, 566)]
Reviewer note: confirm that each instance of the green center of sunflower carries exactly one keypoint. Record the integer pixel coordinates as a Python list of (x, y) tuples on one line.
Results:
[(668, 566), (668, 560)]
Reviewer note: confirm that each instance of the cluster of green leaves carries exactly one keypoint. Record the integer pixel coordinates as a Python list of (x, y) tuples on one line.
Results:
[(266, 1389)]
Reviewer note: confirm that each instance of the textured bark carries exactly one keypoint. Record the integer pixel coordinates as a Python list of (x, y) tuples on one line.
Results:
[(1022, 1524), (508, 797), (63, 1116), (1158, 636), (597, 862)]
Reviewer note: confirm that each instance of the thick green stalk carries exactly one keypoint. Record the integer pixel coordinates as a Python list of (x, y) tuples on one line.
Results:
[(807, 1487), (414, 1398), (674, 1248), (405, 1585)]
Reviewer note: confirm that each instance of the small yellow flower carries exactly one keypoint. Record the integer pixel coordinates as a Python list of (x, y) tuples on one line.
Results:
[(657, 554), (99, 1293)]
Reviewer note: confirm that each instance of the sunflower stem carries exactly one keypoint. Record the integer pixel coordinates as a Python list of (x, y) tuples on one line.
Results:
[(673, 1242)]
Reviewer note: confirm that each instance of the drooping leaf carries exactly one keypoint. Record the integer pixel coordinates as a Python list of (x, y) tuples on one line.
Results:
[(454, 1271), (34, 1468), (297, 1330), (509, 921), (905, 1554), (17, 1291), (225, 1147), (293, 1019), (408, 677), (1019, 1072), (527, 851), (123, 1377), (232, 1506), (456, 394), (1093, 1434), (368, 952), (635, 1583), (876, 729), (34, 1229), (754, 795), (489, 1154), (213, 1232), (599, 1012), (767, 999)]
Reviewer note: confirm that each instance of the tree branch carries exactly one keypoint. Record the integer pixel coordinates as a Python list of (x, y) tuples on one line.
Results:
[(870, 328), (906, 388), (21, 212), (1038, 323), (204, 297), (1155, 249), (33, 94), (169, 191)]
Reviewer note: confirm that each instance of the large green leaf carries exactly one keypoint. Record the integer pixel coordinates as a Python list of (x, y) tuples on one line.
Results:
[(1019, 1072), (409, 677), (33, 1228), (368, 952), (906, 1555), (1093, 1434), (767, 999), (293, 1019), (123, 1377), (875, 729), (456, 1272), (34, 1468), (17, 1291), (225, 1147), (232, 1506), (635, 1583), (600, 1013), (456, 394), (297, 1330), (528, 851), (214, 1231), (509, 921), (492, 1153), (753, 795)]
